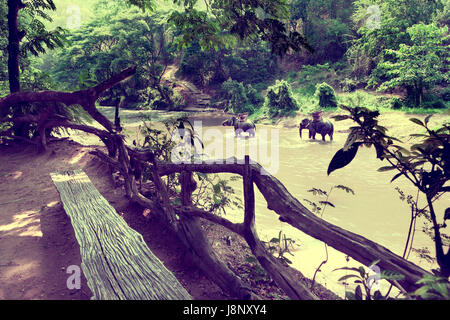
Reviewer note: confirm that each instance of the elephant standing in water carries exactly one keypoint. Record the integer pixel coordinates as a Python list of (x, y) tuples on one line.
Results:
[(241, 126), (321, 127)]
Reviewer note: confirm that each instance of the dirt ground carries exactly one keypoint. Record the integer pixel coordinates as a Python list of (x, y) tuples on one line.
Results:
[(38, 244)]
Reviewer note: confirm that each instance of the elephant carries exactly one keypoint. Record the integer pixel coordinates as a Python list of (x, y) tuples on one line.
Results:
[(321, 127), (241, 126)]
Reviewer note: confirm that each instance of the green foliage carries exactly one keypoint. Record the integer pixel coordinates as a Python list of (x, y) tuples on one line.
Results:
[(426, 164), (248, 64), (419, 65), (242, 20), (239, 98), (392, 19), (326, 95), (178, 141), (311, 75), (280, 100), (214, 194), (280, 246), (325, 24), (253, 270), (348, 85), (116, 38), (319, 206), (397, 103), (433, 287)]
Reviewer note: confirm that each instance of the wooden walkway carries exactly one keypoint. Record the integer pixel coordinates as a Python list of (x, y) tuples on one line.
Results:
[(116, 262)]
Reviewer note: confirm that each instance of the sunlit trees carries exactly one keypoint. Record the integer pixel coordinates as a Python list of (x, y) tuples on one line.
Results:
[(418, 65)]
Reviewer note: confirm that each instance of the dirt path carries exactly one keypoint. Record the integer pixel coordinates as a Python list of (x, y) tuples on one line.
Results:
[(197, 100), (37, 241)]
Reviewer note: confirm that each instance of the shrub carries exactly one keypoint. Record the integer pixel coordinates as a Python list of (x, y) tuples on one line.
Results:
[(280, 100), (397, 103), (291, 76), (445, 95), (241, 98), (348, 85), (326, 95)]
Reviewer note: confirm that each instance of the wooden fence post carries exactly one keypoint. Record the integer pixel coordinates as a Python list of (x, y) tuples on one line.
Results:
[(186, 188)]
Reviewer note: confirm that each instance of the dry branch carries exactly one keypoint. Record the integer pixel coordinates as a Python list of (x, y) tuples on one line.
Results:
[(293, 212)]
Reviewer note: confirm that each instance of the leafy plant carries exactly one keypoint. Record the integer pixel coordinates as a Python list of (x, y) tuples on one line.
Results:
[(241, 98), (254, 271), (426, 164), (280, 246), (418, 65), (280, 100), (326, 95), (433, 287), (365, 281), (319, 209), (214, 194)]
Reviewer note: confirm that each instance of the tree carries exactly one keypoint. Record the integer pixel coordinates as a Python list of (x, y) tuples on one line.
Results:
[(24, 25), (219, 24), (392, 18), (117, 37), (34, 33), (325, 24), (279, 100), (326, 95), (419, 65)]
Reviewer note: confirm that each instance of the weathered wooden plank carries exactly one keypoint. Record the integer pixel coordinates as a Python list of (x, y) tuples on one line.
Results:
[(115, 259)]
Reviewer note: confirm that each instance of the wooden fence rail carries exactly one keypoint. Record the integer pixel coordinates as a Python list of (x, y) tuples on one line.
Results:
[(290, 210)]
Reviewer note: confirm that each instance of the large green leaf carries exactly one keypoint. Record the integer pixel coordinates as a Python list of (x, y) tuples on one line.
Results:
[(343, 158)]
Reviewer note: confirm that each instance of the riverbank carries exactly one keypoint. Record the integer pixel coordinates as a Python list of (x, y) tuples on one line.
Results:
[(37, 241)]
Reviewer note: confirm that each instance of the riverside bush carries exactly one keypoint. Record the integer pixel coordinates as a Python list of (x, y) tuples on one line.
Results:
[(279, 100), (326, 95)]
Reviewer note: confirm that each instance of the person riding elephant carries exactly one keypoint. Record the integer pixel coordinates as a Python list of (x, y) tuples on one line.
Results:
[(321, 127), (241, 126)]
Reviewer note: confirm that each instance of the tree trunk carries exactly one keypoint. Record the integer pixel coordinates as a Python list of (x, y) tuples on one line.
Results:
[(14, 37)]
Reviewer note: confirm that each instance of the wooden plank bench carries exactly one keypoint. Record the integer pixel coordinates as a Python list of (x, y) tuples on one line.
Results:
[(116, 262)]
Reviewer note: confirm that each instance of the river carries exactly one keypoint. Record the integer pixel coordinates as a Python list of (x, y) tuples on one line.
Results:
[(375, 211)]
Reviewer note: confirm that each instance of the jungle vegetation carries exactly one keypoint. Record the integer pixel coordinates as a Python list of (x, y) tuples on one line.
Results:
[(270, 58)]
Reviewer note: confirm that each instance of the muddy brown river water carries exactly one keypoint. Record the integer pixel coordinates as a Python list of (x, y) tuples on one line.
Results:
[(374, 212)]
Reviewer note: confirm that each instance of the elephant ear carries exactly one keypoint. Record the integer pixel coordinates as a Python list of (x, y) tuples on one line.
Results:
[(343, 158)]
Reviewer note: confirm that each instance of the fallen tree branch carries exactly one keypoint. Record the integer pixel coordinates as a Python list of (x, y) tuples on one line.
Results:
[(86, 98), (293, 212)]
